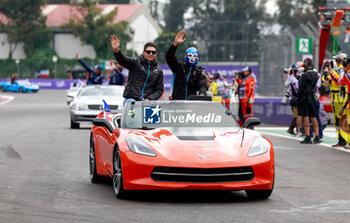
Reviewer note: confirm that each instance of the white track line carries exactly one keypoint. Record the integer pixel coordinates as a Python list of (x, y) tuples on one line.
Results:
[(290, 137), (7, 98)]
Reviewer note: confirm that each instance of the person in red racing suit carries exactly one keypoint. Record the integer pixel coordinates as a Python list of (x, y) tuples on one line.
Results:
[(246, 94)]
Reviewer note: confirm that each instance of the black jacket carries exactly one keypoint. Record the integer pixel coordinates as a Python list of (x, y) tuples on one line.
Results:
[(196, 80), (143, 76), (307, 86)]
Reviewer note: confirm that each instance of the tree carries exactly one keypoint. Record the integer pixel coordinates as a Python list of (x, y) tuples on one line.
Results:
[(174, 15), (227, 29), (25, 24), (164, 41), (96, 28)]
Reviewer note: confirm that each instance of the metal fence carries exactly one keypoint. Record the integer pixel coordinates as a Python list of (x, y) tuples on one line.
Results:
[(278, 52)]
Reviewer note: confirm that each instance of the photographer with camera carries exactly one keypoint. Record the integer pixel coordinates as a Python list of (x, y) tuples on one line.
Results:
[(306, 100), (338, 96), (293, 85)]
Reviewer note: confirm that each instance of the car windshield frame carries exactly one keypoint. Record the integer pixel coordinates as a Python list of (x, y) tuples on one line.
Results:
[(177, 114), (100, 91)]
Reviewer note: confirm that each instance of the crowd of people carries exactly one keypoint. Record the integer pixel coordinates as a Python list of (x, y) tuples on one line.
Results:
[(304, 87)]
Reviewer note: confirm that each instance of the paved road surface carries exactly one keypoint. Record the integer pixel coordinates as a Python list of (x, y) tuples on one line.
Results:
[(44, 178)]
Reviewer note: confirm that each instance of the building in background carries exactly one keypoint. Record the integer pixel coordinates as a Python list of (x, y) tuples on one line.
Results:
[(66, 44)]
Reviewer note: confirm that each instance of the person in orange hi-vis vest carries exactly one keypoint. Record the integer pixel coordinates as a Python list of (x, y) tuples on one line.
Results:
[(246, 94)]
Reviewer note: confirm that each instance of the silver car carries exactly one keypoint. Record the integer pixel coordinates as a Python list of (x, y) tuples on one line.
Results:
[(88, 102)]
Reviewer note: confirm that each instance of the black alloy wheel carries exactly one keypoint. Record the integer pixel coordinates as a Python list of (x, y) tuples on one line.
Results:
[(20, 90), (118, 184), (94, 177), (2, 89)]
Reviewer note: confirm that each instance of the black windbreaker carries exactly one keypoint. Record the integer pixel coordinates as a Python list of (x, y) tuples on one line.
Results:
[(144, 77), (187, 77), (307, 86)]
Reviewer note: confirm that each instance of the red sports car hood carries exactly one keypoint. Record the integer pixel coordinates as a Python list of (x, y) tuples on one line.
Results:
[(198, 144)]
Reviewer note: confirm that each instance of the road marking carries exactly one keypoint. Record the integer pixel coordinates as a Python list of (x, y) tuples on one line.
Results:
[(6, 99), (336, 206), (330, 136)]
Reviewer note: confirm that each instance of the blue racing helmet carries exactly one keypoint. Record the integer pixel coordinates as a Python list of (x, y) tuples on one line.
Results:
[(98, 67), (191, 56)]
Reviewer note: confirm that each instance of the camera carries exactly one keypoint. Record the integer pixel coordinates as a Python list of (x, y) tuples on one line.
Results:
[(240, 74), (285, 98)]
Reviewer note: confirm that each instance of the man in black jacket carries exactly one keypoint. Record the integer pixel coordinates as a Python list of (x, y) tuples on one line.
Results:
[(189, 77), (306, 101), (145, 80)]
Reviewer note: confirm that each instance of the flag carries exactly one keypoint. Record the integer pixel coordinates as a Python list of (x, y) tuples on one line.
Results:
[(105, 108)]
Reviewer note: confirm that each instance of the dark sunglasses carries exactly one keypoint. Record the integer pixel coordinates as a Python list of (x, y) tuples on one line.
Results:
[(151, 52)]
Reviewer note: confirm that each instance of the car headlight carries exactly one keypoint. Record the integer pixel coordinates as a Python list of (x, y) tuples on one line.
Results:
[(259, 146), (79, 106), (138, 146)]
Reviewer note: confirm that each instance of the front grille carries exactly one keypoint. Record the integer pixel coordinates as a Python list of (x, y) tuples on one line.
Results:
[(198, 175), (99, 107)]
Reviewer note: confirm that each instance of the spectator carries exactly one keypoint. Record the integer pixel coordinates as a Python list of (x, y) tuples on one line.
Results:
[(306, 100), (345, 109), (246, 94), (117, 78), (338, 96), (145, 80), (14, 78), (95, 75), (189, 77)]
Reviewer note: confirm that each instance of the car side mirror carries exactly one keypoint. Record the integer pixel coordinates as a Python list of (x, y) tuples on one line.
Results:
[(251, 122), (103, 123)]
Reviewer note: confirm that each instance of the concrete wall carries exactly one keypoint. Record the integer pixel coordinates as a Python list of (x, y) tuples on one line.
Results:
[(66, 45), (5, 49)]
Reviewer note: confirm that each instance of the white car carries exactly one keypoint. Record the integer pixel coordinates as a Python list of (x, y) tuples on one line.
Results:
[(88, 102), (72, 93)]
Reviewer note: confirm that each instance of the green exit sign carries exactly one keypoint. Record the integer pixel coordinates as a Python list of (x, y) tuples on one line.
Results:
[(304, 45)]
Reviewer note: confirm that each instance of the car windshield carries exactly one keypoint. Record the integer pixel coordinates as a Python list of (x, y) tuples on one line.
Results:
[(177, 114), (101, 92)]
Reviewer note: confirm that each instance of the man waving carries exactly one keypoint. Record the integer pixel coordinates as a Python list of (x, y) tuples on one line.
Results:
[(188, 77)]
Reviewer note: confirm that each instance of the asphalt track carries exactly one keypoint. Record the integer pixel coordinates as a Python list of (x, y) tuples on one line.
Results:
[(44, 177)]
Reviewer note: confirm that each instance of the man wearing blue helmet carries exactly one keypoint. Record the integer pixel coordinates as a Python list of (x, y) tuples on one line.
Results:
[(95, 76), (189, 77)]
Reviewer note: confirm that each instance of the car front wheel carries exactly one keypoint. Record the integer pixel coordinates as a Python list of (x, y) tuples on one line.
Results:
[(2, 89), (74, 125), (94, 177), (118, 184), (20, 90)]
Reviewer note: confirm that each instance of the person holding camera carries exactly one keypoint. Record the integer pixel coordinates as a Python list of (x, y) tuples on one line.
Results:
[(246, 94), (306, 100), (338, 96)]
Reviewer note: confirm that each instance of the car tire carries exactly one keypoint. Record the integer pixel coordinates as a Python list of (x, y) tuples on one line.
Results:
[(20, 90), (260, 194), (74, 125), (2, 89), (118, 184), (94, 177)]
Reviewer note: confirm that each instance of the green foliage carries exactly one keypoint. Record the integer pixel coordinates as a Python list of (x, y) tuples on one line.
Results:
[(26, 24), (165, 40), (95, 29), (173, 14)]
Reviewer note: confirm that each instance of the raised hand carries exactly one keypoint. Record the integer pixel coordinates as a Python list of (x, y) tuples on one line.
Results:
[(77, 56), (179, 38), (115, 43)]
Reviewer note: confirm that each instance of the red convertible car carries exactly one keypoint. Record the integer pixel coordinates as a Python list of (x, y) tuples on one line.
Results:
[(180, 145)]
